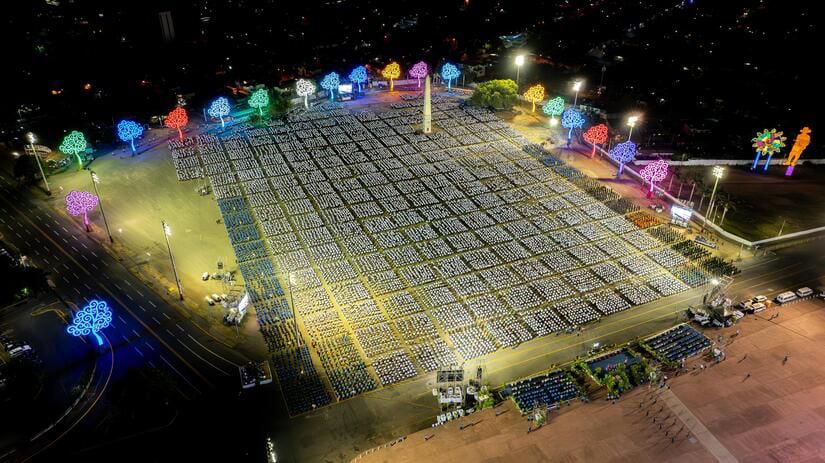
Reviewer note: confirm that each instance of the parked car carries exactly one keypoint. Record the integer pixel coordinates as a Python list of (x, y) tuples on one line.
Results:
[(804, 291), (758, 307), (209, 300), (205, 276), (787, 296), (759, 298)]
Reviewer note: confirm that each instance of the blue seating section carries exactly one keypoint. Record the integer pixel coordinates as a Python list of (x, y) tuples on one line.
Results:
[(548, 389), (300, 383), (679, 343)]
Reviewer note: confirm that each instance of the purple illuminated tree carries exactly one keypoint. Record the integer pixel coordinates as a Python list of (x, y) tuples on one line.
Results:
[(81, 203), (654, 172), (449, 72), (330, 83), (419, 71), (623, 153), (90, 320), (571, 119), (358, 76), (128, 131)]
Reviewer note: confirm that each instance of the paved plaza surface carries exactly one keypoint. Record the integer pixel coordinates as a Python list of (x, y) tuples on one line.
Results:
[(754, 407)]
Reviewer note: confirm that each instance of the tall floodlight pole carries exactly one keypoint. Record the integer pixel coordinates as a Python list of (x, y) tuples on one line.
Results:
[(519, 64), (577, 85), (95, 181), (718, 172), (631, 122), (30, 137), (167, 232)]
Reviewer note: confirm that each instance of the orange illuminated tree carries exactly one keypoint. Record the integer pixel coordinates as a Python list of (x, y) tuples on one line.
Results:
[(595, 135), (391, 72), (177, 119), (534, 95)]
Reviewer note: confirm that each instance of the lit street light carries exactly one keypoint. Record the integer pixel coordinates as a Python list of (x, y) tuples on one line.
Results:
[(631, 122), (577, 85), (30, 137), (167, 232), (95, 181), (718, 172), (519, 64)]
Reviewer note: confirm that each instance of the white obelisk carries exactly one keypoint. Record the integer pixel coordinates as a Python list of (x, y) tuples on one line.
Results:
[(427, 127)]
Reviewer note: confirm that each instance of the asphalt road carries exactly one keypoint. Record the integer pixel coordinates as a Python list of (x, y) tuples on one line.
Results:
[(145, 331)]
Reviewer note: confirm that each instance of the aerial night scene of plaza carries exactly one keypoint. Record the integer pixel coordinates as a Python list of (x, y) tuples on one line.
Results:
[(373, 231)]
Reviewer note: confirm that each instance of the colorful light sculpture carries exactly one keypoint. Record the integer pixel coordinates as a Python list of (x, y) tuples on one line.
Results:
[(73, 144), (259, 99), (219, 108), (128, 131), (553, 108), (767, 143), (595, 135), (177, 119), (330, 83), (654, 173), (534, 95), (571, 119), (419, 71), (623, 153), (449, 71), (802, 141), (305, 88), (392, 72), (358, 76), (81, 203), (93, 318)]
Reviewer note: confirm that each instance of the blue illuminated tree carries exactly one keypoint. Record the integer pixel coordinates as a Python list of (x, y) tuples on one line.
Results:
[(623, 153), (358, 76), (330, 83), (449, 71), (128, 131), (571, 119), (90, 320), (219, 108)]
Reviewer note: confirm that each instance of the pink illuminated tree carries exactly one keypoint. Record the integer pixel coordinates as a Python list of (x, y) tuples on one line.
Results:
[(81, 203), (419, 71), (595, 135), (654, 172)]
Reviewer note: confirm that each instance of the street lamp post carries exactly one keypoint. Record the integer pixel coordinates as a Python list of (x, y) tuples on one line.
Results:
[(718, 172), (519, 64), (577, 85), (631, 122), (31, 139), (95, 181), (167, 232)]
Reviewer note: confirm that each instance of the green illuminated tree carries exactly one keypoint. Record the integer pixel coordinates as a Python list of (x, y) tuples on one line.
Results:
[(73, 144), (259, 100)]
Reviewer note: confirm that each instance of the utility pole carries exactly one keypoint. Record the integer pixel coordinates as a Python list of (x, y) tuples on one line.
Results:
[(95, 179), (166, 233)]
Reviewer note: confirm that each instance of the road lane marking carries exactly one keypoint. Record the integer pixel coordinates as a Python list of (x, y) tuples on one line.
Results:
[(139, 352), (156, 320), (198, 356), (121, 319), (213, 353), (179, 373), (167, 316)]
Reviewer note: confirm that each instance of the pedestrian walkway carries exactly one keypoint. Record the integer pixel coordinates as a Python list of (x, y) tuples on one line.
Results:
[(703, 434)]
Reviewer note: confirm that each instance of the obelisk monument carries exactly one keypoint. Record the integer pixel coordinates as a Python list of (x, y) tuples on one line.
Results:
[(427, 126)]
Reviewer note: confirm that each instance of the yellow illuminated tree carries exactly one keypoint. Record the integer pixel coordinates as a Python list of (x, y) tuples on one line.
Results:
[(534, 95), (392, 71)]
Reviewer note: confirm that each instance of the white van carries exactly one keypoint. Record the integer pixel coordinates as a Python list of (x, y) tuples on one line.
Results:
[(787, 296), (804, 291)]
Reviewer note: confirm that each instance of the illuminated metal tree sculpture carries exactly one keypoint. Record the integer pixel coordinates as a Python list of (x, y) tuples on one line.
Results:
[(553, 108), (305, 88), (330, 83), (392, 72), (91, 320), (595, 135), (767, 142), (220, 109), (654, 172), (358, 76), (73, 144), (802, 141), (571, 119), (623, 153), (534, 95), (81, 203), (419, 71), (259, 99), (449, 71), (177, 119), (128, 131)]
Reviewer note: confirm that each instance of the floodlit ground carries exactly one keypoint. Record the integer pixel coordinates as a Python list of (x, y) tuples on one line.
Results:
[(775, 414)]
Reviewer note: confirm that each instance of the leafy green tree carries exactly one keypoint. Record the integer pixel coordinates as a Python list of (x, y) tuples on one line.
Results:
[(500, 94)]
